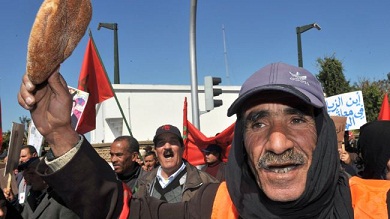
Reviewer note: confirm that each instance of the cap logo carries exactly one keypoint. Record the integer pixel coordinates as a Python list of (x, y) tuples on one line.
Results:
[(166, 127), (299, 77)]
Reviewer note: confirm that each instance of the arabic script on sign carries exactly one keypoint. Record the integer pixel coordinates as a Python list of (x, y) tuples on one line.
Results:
[(349, 105)]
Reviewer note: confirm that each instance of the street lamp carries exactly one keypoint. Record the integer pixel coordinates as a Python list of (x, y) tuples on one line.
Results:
[(299, 31), (113, 26)]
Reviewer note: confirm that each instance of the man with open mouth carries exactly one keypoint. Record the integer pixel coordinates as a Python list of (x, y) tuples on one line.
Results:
[(175, 180)]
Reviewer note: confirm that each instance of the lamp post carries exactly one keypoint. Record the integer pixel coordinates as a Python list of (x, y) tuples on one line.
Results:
[(299, 31), (193, 67), (113, 26)]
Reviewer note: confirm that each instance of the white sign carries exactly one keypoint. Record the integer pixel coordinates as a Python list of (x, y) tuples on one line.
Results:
[(35, 138), (349, 105)]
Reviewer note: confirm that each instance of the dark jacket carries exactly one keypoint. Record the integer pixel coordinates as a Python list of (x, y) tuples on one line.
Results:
[(194, 179), (48, 208), (373, 142), (94, 195), (99, 194), (131, 179)]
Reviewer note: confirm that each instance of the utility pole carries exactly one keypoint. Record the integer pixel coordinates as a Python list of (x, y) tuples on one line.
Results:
[(194, 77)]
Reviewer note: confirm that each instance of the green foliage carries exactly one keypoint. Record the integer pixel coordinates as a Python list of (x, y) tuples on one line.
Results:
[(6, 137), (332, 77), (373, 93), (333, 81)]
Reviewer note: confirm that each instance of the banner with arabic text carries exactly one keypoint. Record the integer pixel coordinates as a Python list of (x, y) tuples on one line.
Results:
[(348, 105)]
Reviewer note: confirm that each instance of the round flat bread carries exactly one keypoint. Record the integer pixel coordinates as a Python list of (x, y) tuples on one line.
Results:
[(57, 29)]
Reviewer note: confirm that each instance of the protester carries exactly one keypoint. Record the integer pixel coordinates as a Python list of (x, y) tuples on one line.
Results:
[(124, 152), (175, 180), (27, 152), (214, 164), (140, 161), (346, 163), (374, 143), (42, 201), (283, 162), (150, 160), (7, 210)]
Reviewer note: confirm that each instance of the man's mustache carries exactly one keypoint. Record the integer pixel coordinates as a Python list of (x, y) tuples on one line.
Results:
[(289, 157), (168, 153)]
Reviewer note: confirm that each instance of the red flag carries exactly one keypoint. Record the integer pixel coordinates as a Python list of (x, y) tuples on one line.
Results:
[(93, 79), (195, 141), (1, 129), (384, 114)]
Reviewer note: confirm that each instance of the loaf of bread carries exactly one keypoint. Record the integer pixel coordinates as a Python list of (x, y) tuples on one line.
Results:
[(57, 29)]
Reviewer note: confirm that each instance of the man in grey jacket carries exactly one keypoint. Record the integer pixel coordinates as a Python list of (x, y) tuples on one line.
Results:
[(42, 201)]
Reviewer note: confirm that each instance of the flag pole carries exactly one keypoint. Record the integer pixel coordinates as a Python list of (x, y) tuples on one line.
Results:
[(185, 127), (105, 72)]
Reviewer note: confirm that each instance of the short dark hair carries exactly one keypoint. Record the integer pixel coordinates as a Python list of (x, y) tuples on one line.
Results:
[(133, 143), (31, 149), (148, 153)]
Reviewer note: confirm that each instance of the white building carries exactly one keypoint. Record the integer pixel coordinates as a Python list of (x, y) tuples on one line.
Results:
[(146, 107)]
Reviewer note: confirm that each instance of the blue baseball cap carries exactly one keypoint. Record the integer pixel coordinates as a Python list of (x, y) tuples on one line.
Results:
[(281, 77), (212, 147)]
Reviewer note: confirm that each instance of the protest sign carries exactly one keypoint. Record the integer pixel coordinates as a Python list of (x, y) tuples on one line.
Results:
[(348, 105)]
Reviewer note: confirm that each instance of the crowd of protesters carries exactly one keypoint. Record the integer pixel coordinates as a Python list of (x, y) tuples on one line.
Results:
[(284, 162)]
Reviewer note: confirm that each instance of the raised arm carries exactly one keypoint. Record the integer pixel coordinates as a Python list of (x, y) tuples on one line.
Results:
[(50, 105), (80, 177)]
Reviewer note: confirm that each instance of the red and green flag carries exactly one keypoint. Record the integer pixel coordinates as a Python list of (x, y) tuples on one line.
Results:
[(195, 140), (93, 79)]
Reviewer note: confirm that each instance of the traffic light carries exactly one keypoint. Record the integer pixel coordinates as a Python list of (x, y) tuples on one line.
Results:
[(210, 92)]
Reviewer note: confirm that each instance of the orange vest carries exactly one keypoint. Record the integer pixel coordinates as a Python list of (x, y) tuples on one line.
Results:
[(369, 197), (368, 200), (223, 206)]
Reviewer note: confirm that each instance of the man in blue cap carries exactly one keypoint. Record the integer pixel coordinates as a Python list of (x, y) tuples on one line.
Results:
[(214, 164)]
